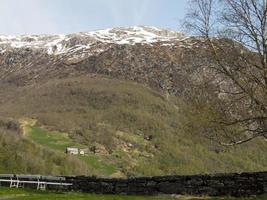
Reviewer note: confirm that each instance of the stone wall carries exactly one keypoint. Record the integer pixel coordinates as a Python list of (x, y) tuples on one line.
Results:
[(244, 184)]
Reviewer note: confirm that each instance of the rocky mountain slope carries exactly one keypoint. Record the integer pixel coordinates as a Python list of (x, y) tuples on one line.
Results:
[(148, 55), (140, 97)]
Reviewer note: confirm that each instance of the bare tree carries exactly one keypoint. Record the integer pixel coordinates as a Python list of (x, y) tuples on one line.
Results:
[(235, 32)]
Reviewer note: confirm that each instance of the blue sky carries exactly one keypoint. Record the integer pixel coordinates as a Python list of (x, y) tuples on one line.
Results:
[(66, 16)]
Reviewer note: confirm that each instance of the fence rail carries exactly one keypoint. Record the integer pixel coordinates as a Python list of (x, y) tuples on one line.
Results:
[(41, 182)]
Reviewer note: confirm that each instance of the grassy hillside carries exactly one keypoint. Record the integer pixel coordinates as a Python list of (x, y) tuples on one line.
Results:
[(20, 155), (135, 130), (58, 142)]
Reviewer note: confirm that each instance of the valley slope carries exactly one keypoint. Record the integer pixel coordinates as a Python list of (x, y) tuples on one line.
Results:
[(138, 98)]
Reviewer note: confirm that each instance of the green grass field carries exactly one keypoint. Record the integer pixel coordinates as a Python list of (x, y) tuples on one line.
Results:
[(53, 139), (58, 141), (25, 194)]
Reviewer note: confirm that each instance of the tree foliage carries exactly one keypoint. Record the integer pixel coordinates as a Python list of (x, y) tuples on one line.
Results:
[(235, 32)]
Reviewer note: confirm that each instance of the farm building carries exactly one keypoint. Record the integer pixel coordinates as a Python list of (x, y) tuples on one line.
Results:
[(72, 151)]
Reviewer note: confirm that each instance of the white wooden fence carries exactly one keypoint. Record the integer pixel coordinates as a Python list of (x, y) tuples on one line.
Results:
[(41, 182)]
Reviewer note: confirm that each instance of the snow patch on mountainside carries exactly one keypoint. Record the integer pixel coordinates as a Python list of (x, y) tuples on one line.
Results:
[(135, 35), (71, 43)]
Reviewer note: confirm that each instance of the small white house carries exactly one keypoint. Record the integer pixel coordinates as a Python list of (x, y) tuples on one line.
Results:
[(72, 151)]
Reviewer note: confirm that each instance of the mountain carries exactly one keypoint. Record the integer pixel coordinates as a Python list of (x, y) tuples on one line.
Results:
[(144, 54), (138, 99)]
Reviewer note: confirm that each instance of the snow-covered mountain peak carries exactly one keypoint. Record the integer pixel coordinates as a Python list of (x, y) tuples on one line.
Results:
[(133, 35), (58, 44)]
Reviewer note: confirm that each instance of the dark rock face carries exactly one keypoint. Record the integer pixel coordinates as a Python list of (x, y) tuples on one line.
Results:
[(244, 184)]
